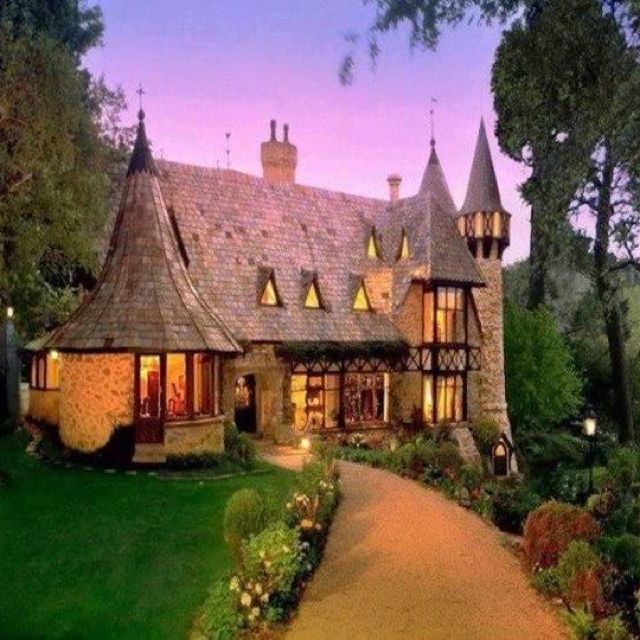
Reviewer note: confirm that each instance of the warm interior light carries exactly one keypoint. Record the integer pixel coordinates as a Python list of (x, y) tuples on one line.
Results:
[(589, 426), (9, 312), (54, 355), (305, 444)]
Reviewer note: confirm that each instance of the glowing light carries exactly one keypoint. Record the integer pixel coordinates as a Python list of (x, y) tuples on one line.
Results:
[(361, 301), (9, 312), (54, 355), (305, 444)]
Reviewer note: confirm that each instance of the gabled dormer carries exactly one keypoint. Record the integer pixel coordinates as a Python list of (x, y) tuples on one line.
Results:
[(373, 246), (269, 296), (312, 296), (361, 300), (404, 252)]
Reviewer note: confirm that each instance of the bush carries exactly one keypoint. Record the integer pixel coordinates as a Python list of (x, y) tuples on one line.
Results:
[(550, 529), (244, 515), (622, 468), (624, 552), (546, 582), (485, 433), (582, 624), (569, 485), (580, 573), (238, 446), (219, 619), (512, 501), (612, 628), (448, 460)]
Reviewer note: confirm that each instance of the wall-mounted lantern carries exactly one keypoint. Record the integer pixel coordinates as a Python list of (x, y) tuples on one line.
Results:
[(501, 456)]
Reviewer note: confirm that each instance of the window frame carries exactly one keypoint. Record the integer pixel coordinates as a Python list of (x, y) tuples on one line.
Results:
[(215, 387), (39, 377), (434, 290), (271, 280)]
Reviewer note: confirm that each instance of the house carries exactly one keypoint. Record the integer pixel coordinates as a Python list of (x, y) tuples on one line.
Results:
[(285, 307)]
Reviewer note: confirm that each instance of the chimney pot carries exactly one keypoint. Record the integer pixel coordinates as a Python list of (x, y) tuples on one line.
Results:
[(272, 124), (286, 133), (394, 181)]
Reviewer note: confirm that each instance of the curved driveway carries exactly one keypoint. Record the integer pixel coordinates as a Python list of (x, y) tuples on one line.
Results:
[(402, 561)]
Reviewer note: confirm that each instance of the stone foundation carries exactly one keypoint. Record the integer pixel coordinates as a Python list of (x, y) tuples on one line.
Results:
[(194, 437), (44, 405), (96, 397)]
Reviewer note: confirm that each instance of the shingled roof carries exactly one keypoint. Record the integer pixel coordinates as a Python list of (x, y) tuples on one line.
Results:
[(435, 184), (144, 298), (483, 193)]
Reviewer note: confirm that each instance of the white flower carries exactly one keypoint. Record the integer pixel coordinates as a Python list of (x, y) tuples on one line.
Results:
[(245, 599), (234, 585), (289, 505), (255, 612), (258, 588), (306, 523), (318, 526), (264, 598)]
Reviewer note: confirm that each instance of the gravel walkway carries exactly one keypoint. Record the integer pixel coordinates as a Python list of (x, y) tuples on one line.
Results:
[(402, 561)]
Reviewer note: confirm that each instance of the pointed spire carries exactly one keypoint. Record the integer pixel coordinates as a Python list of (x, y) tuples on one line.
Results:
[(483, 193), (141, 158), (435, 184)]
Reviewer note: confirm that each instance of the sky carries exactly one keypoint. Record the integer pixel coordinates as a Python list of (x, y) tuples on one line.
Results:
[(214, 66)]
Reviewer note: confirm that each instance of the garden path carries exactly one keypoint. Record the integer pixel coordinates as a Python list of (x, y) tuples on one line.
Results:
[(402, 561)]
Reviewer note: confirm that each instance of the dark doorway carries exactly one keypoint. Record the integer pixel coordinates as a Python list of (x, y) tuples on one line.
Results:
[(245, 403)]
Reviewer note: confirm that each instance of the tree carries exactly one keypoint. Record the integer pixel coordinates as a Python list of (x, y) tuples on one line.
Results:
[(543, 387)]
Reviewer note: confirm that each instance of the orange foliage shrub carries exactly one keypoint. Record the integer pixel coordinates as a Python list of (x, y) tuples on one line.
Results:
[(550, 529)]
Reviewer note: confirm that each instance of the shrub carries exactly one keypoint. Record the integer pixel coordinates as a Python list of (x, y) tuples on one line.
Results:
[(580, 572), (238, 446), (245, 514), (612, 628), (219, 619), (624, 552), (622, 468), (512, 501), (546, 582), (569, 485), (582, 624), (485, 433), (549, 530), (448, 459)]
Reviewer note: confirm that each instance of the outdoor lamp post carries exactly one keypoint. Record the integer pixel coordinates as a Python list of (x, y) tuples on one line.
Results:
[(589, 427)]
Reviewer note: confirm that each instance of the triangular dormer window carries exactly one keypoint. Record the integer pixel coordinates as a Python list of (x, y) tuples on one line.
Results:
[(270, 296), (361, 299), (312, 299), (403, 253), (373, 250)]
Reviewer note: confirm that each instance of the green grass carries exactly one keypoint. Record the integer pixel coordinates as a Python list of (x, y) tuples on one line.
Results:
[(85, 554)]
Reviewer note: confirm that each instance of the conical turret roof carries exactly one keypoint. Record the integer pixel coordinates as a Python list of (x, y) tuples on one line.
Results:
[(144, 298), (434, 183), (483, 193)]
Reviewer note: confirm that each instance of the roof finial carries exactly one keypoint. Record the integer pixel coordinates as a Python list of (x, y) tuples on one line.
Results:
[(140, 93), (432, 142)]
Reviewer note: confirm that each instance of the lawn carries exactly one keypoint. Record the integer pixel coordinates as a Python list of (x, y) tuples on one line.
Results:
[(86, 554)]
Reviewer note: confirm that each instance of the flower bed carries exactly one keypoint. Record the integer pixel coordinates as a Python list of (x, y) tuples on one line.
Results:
[(276, 550)]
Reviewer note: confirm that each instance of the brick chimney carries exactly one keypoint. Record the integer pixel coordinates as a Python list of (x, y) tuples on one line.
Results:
[(279, 159), (394, 181)]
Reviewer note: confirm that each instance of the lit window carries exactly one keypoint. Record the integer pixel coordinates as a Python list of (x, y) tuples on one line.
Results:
[(312, 300), (176, 385), (372, 246), (449, 398), (202, 384), (149, 394), (315, 400), (365, 397), (53, 370), (428, 316), (427, 398), (361, 301), (450, 315), (270, 297), (404, 247)]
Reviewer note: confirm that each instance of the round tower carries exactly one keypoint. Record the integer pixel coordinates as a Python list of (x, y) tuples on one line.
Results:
[(484, 223)]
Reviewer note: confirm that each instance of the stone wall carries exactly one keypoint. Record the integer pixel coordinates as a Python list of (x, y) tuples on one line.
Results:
[(96, 397), (378, 282), (492, 399), (201, 436), (272, 387), (405, 394), (44, 405), (409, 318)]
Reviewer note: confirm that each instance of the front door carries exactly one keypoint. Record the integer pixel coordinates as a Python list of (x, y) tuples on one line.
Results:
[(148, 426), (245, 404)]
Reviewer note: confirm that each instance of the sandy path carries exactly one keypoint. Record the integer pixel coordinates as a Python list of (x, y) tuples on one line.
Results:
[(404, 562)]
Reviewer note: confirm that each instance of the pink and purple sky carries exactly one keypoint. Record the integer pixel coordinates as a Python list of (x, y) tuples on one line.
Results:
[(211, 66)]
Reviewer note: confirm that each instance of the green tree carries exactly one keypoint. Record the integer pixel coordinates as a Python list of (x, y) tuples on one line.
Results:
[(543, 387)]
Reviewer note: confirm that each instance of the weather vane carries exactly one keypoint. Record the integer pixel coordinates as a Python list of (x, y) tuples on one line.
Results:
[(140, 93), (431, 111), (228, 149)]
